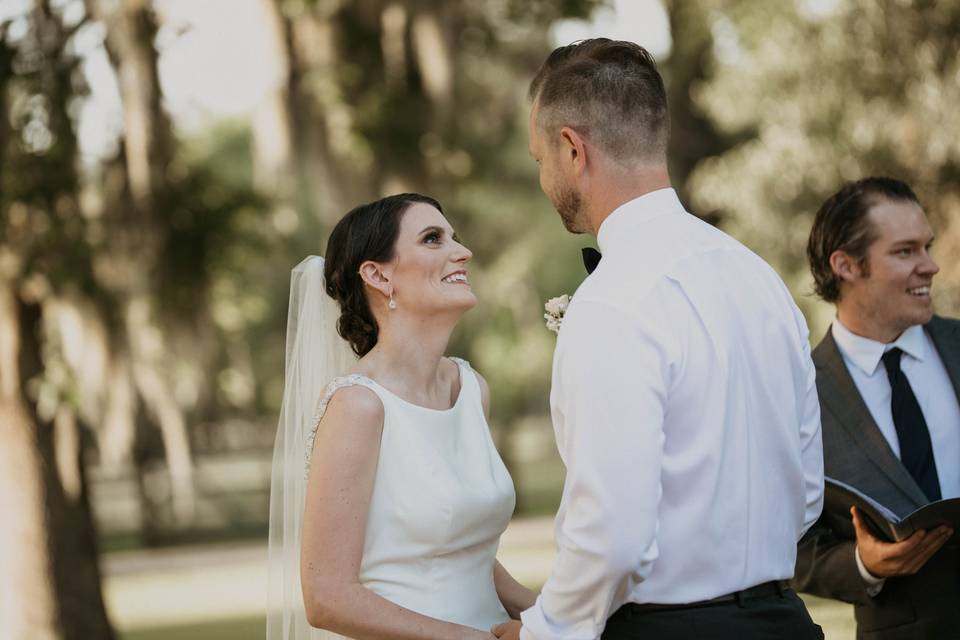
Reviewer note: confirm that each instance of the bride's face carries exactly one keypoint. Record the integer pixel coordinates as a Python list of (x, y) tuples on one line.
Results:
[(429, 270)]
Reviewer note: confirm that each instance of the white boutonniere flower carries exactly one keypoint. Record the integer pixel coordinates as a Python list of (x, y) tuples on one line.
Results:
[(555, 309)]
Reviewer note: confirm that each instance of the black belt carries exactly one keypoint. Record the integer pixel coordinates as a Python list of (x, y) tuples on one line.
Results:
[(767, 589)]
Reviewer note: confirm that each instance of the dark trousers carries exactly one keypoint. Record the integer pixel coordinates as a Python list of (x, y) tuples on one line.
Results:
[(773, 617)]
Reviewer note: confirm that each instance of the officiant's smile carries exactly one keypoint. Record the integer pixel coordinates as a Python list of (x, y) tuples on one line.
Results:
[(891, 286)]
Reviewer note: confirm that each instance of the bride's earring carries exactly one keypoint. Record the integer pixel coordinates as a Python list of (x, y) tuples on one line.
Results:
[(393, 303)]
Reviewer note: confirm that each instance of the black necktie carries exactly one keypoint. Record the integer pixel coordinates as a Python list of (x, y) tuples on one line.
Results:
[(591, 258), (916, 452)]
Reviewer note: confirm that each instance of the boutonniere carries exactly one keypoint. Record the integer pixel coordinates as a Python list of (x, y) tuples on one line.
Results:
[(555, 309)]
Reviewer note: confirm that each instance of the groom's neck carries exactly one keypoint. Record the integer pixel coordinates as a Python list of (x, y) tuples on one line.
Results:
[(612, 188)]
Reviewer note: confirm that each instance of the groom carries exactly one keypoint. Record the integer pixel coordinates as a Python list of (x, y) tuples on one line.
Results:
[(683, 396)]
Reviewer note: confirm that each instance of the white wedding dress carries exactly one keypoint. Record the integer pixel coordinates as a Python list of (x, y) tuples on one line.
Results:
[(441, 498)]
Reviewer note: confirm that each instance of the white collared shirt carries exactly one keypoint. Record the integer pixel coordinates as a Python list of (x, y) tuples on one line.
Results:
[(930, 382), (685, 409)]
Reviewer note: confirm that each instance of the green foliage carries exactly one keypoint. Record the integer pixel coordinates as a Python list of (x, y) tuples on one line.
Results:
[(39, 210), (211, 211), (467, 146), (822, 93)]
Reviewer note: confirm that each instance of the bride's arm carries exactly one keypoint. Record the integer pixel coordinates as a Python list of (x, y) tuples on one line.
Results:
[(342, 470), (514, 597)]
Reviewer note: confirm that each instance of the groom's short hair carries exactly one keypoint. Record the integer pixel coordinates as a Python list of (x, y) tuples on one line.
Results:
[(609, 91)]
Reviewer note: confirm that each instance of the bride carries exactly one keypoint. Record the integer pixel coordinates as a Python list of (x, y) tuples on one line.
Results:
[(388, 498)]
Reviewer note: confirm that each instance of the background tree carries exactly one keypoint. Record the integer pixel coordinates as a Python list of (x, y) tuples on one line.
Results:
[(822, 93), (382, 96), (145, 292), (136, 212), (104, 280), (693, 135), (51, 578)]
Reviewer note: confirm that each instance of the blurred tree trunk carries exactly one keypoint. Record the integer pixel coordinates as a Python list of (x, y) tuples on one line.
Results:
[(49, 576), (278, 118), (693, 136), (430, 36), (302, 147), (137, 230), (28, 606), (330, 64), (50, 572), (280, 122)]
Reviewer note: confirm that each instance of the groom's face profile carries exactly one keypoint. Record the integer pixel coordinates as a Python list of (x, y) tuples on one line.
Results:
[(554, 182)]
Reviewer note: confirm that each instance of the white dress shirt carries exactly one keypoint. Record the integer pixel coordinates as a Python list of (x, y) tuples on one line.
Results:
[(928, 378), (685, 409)]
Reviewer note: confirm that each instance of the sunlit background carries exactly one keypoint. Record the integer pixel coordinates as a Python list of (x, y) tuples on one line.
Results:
[(165, 163)]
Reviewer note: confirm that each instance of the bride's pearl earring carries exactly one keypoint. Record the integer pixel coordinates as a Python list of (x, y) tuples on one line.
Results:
[(393, 303)]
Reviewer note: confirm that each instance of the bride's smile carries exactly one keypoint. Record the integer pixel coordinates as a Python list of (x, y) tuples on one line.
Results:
[(457, 277), (428, 272)]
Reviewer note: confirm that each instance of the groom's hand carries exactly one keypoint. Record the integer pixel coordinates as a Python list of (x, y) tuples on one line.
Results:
[(886, 559), (507, 630)]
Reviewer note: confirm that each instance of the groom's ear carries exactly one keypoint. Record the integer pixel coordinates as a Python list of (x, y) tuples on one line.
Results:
[(375, 276), (574, 149)]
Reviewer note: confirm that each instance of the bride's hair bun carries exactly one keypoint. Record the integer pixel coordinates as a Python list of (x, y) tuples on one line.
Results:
[(367, 232)]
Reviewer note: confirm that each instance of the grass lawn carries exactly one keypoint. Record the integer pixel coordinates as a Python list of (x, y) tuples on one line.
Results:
[(231, 629), (217, 592), (836, 619)]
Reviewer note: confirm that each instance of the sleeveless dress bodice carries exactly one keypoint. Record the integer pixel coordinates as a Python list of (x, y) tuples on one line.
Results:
[(441, 498)]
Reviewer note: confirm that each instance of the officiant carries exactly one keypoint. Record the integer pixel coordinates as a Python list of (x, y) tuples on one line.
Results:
[(888, 376)]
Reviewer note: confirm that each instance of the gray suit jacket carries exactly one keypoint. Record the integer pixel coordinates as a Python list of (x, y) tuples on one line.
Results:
[(925, 605)]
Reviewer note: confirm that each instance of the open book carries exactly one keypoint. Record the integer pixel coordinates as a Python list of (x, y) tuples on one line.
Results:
[(886, 525)]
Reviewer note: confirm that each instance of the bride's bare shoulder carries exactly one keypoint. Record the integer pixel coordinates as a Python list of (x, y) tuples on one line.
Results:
[(356, 404), (350, 415)]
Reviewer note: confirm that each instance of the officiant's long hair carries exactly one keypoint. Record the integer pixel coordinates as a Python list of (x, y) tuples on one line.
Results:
[(367, 232)]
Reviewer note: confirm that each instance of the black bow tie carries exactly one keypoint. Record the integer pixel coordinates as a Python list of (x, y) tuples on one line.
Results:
[(591, 258)]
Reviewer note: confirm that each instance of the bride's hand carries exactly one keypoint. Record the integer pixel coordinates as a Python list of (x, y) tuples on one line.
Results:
[(508, 630)]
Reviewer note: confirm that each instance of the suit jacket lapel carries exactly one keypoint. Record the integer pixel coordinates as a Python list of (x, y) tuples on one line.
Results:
[(946, 338), (840, 394)]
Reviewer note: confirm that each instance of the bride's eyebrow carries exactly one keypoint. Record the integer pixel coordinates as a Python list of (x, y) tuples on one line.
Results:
[(435, 228)]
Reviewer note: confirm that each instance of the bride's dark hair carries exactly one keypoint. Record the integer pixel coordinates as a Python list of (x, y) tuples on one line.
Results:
[(367, 232)]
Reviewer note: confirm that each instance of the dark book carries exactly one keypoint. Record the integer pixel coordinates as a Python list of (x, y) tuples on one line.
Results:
[(885, 524)]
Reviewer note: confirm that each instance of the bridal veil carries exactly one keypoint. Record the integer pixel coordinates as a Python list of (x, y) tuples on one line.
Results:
[(315, 355)]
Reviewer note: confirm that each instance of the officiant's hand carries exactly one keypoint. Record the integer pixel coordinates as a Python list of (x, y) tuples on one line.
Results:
[(507, 630), (886, 559)]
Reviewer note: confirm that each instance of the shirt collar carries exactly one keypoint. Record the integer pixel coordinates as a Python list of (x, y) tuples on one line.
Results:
[(647, 206), (865, 353)]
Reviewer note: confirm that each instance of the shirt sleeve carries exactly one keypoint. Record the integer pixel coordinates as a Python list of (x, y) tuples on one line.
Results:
[(610, 380), (811, 442), (873, 583)]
